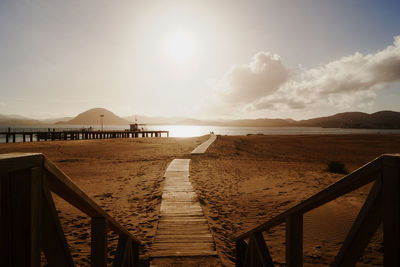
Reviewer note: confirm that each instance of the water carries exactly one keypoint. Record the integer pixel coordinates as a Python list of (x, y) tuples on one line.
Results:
[(191, 130)]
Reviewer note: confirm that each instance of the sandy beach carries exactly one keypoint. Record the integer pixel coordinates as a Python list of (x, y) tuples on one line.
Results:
[(241, 181)]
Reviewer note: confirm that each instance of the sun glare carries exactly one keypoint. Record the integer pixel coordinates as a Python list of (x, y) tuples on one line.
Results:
[(180, 47)]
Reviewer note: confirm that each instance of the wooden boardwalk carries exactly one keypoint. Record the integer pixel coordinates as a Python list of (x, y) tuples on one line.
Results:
[(204, 146), (182, 229)]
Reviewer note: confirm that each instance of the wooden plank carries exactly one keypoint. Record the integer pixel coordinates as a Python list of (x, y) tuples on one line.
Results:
[(257, 253), (241, 248), (178, 253), (99, 242), (363, 228), (294, 240), (36, 214), (391, 209), (182, 229), (19, 161), (202, 148), (20, 218)]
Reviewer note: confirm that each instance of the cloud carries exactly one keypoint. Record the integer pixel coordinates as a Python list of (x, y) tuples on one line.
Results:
[(352, 80), (246, 83)]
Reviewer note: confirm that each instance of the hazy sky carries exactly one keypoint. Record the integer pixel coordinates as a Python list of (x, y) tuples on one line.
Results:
[(202, 59)]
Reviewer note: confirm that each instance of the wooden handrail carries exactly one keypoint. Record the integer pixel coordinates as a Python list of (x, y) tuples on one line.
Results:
[(347, 184), (64, 187), (381, 205), (26, 180)]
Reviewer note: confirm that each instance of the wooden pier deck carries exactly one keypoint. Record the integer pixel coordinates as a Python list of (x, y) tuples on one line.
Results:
[(204, 146), (182, 229), (31, 136)]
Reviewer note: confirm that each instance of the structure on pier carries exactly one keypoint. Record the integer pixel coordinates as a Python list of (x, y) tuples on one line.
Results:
[(136, 127)]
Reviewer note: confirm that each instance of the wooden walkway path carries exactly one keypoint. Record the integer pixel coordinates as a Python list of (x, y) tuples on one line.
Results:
[(182, 229), (204, 146)]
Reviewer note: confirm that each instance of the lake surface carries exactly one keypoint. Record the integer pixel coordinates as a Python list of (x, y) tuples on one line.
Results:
[(189, 131)]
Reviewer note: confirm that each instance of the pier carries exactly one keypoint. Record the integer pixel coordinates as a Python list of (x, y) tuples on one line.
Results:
[(52, 135)]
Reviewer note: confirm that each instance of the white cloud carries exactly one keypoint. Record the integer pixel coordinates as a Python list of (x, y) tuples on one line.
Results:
[(353, 80), (246, 83)]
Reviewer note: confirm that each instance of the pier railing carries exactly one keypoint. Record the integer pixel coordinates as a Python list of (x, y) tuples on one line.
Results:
[(29, 221), (381, 205)]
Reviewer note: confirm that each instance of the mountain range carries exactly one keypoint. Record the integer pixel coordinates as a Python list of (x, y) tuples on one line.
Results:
[(377, 120)]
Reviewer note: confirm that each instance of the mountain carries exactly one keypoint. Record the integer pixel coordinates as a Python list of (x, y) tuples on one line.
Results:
[(55, 120), (377, 120), (8, 120), (92, 117)]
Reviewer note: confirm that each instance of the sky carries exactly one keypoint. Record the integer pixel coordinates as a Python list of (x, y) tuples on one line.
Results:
[(200, 59)]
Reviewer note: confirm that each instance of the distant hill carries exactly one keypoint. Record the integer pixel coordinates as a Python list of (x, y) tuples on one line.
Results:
[(92, 117), (9, 120), (377, 120)]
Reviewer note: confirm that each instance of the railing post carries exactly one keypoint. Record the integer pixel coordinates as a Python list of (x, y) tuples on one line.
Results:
[(241, 248), (99, 242), (294, 240), (20, 216), (391, 209)]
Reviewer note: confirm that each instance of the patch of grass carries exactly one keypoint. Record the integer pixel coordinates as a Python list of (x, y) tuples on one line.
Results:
[(336, 167)]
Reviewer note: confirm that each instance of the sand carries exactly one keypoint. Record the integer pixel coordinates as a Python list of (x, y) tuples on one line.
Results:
[(240, 181), (244, 181)]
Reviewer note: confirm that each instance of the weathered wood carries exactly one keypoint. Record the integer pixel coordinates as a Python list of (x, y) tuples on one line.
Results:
[(54, 243), (127, 253), (294, 240), (202, 148), (241, 248), (20, 193), (363, 228), (356, 179), (36, 214), (99, 242), (18, 161), (257, 253), (182, 229), (391, 209)]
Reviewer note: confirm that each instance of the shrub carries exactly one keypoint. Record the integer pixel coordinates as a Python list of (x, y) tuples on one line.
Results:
[(337, 167)]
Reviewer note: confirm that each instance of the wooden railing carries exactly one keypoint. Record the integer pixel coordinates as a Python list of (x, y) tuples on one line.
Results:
[(29, 221), (381, 205)]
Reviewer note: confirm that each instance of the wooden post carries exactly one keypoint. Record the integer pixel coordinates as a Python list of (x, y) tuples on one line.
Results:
[(31, 137), (294, 240), (54, 243), (13, 135), (7, 137), (257, 253), (241, 248), (99, 242), (23, 137), (20, 215), (391, 209), (364, 227)]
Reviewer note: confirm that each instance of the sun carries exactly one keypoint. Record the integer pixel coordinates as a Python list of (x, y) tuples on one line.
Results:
[(181, 47)]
